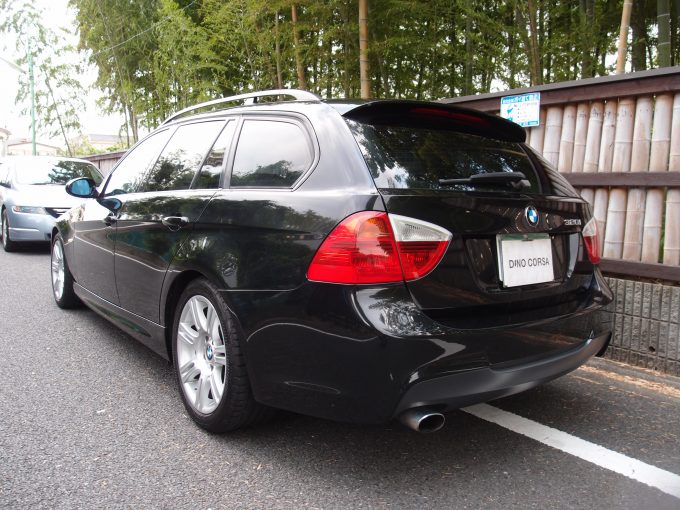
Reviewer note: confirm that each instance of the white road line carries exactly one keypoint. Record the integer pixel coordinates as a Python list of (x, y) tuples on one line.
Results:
[(649, 475)]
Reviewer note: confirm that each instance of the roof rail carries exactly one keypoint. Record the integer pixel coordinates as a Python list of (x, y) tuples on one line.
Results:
[(249, 98)]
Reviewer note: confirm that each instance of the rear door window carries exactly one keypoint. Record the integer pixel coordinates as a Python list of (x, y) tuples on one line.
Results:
[(271, 153), (211, 170), (417, 157), (182, 156)]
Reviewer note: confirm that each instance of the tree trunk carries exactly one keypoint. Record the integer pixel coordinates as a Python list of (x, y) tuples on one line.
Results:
[(663, 16), (279, 77), (363, 50), (638, 50), (302, 82), (467, 89), (535, 61), (623, 37), (587, 20)]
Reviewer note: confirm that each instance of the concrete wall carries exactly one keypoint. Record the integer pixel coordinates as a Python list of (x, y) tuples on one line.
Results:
[(646, 322)]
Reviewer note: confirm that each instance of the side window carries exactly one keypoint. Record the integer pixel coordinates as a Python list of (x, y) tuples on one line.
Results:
[(129, 174), (270, 153), (209, 174), (181, 157)]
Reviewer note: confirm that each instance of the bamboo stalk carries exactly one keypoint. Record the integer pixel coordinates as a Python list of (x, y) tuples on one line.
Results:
[(658, 162), (671, 252), (600, 206), (635, 207), (580, 137), (608, 136), (538, 132), (674, 156), (593, 137), (588, 194), (651, 236), (635, 217), (566, 154), (661, 134), (616, 215), (623, 140), (553, 129)]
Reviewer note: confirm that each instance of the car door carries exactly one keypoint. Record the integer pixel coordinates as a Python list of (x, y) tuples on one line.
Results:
[(95, 220), (153, 223)]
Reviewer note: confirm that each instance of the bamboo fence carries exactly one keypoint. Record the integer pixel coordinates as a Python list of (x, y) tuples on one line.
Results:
[(618, 126)]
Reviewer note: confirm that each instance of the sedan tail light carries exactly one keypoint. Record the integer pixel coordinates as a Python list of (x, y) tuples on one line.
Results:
[(591, 238), (374, 247)]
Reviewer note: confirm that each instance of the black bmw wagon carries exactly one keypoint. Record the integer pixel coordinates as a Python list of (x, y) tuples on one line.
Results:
[(356, 261)]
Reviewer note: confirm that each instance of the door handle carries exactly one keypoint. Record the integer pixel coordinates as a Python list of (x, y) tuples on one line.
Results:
[(175, 222), (110, 220)]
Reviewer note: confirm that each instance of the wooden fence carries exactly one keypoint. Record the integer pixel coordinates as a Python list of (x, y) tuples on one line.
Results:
[(617, 139)]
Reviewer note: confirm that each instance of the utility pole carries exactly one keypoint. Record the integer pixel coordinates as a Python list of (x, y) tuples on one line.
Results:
[(32, 86)]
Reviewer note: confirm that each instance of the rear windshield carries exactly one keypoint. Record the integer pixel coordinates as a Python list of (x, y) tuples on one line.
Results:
[(418, 157), (55, 172)]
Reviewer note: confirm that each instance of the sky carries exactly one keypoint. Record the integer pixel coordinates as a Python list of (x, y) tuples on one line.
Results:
[(55, 14)]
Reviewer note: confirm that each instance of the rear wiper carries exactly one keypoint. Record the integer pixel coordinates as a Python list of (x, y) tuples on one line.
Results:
[(516, 179)]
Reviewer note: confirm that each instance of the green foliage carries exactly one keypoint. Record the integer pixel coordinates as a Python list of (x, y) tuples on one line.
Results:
[(158, 56), (58, 91)]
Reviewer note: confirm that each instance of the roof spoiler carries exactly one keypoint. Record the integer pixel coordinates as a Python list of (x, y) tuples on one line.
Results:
[(437, 115)]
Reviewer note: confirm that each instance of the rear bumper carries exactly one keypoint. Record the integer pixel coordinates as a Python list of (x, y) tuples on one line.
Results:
[(484, 384), (366, 354)]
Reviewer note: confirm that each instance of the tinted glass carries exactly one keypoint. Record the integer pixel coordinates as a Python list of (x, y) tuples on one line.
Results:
[(417, 157), (211, 171), (181, 157), (128, 176), (46, 171), (270, 154)]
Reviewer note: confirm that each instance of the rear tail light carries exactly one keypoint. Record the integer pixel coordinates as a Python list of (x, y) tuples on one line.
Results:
[(374, 247), (591, 238)]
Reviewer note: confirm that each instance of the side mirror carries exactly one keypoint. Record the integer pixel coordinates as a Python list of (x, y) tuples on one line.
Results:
[(82, 187)]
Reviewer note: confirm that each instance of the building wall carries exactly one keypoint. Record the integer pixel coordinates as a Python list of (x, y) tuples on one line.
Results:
[(26, 149)]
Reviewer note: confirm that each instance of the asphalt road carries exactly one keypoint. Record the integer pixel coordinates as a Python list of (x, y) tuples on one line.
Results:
[(91, 419)]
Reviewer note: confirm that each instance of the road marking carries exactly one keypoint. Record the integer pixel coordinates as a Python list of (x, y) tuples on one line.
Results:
[(650, 475)]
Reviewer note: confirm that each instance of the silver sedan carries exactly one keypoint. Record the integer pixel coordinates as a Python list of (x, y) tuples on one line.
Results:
[(32, 195)]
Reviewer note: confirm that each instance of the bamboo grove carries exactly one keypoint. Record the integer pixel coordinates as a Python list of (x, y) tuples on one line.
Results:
[(157, 56)]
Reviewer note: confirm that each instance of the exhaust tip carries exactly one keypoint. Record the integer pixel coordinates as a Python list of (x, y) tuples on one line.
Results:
[(423, 419)]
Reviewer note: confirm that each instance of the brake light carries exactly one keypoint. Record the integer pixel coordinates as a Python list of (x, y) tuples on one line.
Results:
[(591, 238), (374, 247)]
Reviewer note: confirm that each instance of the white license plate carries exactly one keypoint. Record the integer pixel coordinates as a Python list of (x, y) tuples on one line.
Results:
[(525, 259)]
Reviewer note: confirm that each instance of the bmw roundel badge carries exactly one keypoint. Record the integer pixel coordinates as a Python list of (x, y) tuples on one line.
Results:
[(531, 214)]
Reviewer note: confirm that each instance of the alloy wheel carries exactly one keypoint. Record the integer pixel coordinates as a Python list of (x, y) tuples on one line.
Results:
[(201, 354), (58, 270)]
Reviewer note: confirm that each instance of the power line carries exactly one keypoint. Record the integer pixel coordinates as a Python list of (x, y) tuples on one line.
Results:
[(142, 32)]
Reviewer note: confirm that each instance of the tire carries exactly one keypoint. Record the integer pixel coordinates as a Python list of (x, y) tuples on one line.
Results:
[(208, 359), (7, 243), (62, 279)]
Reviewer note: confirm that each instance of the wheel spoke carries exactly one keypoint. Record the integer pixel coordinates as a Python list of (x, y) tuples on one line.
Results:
[(186, 334), (220, 355), (188, 372), (201, 393), (216, 387), (197, 315)]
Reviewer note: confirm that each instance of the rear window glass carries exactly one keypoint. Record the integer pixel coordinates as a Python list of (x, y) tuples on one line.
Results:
[(417, 157), (270, 154), (56, 172)]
